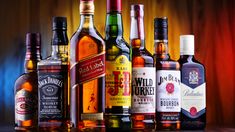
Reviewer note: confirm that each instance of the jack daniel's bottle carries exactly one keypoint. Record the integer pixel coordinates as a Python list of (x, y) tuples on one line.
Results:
[(168, 80), (193, 86), (53, 80), (26, 86), (118, 71), (143, 74)]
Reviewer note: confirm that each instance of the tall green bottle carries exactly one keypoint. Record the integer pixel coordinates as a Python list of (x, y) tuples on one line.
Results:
[(118, 71)]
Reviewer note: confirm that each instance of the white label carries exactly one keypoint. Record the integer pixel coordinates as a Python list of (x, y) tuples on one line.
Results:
[(168, 91), (143, 90), (24, 106), (193, 100)]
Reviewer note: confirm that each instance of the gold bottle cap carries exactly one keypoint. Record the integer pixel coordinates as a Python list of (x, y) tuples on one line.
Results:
[(87, 7)]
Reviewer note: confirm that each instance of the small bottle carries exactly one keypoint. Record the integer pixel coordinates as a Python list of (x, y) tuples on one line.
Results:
[(143, 74), (168, 80), (53, 80), (118, 71), (193, 87), (26, 86), (87, 72)]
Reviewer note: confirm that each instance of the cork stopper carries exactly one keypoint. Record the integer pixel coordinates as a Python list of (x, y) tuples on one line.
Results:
[(87, 7)]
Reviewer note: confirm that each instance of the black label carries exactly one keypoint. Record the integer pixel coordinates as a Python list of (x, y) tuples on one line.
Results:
[(51, 88)]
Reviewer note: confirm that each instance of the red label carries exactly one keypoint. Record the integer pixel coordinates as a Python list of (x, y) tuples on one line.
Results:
[(88, 69)]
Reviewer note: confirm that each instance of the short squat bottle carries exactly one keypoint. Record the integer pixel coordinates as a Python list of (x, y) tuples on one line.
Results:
[(193, 86), (143, 74), (53, 80), (26, 86)]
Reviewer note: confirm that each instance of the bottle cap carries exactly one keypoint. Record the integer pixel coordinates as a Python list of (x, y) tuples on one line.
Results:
[(33, 40), (59, 23), (161, 28), (186, 44), (87, 7), (137, 10), (114, 5)]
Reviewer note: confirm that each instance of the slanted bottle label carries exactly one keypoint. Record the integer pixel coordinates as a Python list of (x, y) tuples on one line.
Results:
[(143, 90), (168, 91), (193, 91), (118, 82)]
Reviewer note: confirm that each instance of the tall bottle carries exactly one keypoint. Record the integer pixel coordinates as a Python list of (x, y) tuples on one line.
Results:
[(118, 71), (193, 86), (26, 86), (53, 80), (87, 71), (143, 74), (168, 80)]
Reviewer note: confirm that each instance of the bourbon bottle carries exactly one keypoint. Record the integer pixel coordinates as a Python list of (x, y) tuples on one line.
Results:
[(26, 86), (168, 80), (87, 72), (118, 71), (143, 74), (193, 86), (53, 80)]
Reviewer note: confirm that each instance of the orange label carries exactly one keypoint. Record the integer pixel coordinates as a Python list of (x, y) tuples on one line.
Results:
[(118, 82)]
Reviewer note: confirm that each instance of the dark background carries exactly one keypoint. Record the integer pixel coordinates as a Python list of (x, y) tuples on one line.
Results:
[(211, 21)]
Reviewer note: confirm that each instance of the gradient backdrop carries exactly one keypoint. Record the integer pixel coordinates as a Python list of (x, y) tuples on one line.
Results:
[(211, 21)]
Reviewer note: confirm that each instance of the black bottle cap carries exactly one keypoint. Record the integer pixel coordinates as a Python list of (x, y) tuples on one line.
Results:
[(59, 23), (161, 28), (33, 40)]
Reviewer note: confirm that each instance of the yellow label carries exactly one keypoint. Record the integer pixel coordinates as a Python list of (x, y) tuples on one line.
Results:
[(118, 82)]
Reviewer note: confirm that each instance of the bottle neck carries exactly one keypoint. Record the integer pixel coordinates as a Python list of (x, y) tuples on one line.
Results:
[(59, 43), (32, 57), (137, 32), (86, 21), (189, 58), (114, 27), (161, 49)]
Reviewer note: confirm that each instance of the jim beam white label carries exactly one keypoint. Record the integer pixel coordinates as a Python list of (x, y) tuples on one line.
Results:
[(168, 91), (24, 107), (143, 90)]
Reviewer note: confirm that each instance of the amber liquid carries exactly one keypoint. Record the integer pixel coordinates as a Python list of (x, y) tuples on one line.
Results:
[(163, 62), (62, 122), (142, 58), (87, 98)]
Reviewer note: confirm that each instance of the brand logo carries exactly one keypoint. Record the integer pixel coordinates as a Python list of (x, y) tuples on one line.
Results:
[(143, 86), (193, 111), (168, 78), (193, 77), (50, 86), (170, 88)]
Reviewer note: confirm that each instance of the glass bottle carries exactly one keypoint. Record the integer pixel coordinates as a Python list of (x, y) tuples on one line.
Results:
[(87, 71), (26, 86), (143, 74), (193, 86), (118, 71), (168, 80), (53, 80)]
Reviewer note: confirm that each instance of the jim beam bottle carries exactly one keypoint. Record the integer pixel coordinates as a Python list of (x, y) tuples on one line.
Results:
[(53, 80), (193, 86), (26, 86), (118, 71), (168, 80), (143, 74), (87, 60)]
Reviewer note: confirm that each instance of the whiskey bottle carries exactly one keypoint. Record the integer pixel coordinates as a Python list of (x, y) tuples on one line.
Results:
[(26, 86), (193, 86), (168, 80), (143, 74), (87, 72), (118, 71), (53, 80)]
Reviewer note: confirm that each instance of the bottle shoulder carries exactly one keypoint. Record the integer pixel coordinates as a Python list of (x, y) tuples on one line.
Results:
[(190, 62), (26, 80), (142, 55), (167, 65)]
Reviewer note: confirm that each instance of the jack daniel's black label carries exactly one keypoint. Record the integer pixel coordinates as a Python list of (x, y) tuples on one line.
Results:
[(51, 88)]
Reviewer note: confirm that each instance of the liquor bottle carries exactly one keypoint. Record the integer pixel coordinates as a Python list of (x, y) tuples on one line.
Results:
[(143, 74), (168, 80), (118, 71), (26, 86), (87, 72), (53, 80), (193, 86)]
